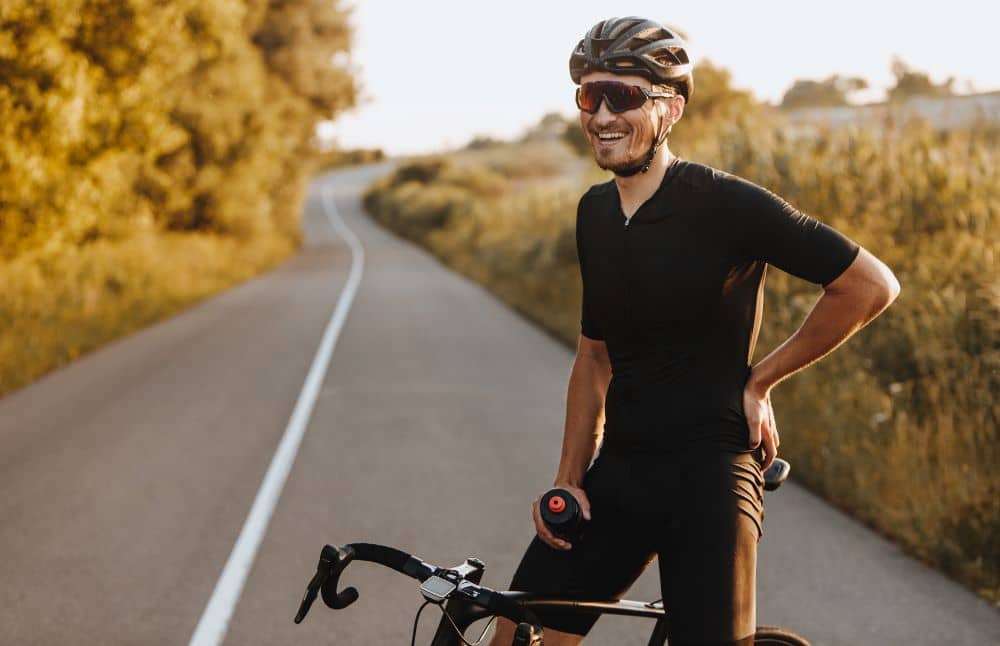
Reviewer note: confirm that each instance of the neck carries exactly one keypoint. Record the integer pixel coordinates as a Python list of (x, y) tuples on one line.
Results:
[(638, 188)]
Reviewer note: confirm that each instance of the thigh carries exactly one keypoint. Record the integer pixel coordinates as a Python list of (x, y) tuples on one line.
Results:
[(708, 561), (602, 565)]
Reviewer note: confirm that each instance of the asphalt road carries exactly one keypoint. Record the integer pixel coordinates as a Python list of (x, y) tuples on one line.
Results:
[(127, 476)]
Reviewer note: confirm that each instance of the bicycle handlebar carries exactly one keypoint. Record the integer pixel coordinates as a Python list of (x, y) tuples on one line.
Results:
[(334, 560)]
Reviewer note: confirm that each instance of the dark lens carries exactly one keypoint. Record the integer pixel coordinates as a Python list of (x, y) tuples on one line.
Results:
[(588, 97), (618, 96), (622, 96)]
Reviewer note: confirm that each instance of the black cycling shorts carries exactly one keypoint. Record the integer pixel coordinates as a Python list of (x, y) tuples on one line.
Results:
[(699, 511)]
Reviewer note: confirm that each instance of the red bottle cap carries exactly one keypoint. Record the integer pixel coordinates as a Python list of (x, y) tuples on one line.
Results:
[(557, 505)]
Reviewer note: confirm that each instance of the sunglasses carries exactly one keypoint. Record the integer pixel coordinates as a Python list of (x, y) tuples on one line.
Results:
[(618, 96)]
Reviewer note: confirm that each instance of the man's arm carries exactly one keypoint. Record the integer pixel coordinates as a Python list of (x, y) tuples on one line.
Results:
[(588, 386), (848, 303)]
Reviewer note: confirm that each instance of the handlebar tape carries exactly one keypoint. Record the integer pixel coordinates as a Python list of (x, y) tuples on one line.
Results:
[(340, 558), (392, 558)]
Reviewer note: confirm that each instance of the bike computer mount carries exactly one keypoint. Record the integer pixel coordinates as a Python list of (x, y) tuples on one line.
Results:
[(436, 589)]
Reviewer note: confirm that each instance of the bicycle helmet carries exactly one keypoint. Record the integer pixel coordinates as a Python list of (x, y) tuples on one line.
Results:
[(641, 47), (634, 46)]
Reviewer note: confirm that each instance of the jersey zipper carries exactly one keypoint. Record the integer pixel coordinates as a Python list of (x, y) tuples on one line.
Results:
[(628, 277)]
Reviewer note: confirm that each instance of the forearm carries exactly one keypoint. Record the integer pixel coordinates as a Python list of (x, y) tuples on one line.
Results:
[(847, 305), (588, 385)]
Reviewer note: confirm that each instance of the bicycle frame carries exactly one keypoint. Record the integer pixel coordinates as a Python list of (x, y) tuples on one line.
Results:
[(464, 613)]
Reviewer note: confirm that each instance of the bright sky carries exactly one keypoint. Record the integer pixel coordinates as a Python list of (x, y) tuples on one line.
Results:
[(435, 73)]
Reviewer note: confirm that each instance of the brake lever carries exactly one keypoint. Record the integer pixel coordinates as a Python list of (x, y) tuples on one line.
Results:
[(332, 561)]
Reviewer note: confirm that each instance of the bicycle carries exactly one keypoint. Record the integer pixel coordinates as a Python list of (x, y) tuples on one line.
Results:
[(463, 601)]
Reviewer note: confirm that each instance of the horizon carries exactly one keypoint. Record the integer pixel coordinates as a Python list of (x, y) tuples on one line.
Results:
[(402, 114)]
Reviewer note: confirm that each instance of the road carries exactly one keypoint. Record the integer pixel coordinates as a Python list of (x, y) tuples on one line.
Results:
[(126, 477)]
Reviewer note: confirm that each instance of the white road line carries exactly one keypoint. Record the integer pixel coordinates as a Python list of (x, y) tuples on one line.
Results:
[(214, 621)]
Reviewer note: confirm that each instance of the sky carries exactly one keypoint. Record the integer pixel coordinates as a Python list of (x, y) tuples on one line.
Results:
[(436, 73)]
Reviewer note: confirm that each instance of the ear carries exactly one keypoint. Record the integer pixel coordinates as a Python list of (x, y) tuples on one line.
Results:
[(676, 108)]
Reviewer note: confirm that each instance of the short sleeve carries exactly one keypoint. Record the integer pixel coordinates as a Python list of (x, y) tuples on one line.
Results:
[(588, 325), (774, 231)]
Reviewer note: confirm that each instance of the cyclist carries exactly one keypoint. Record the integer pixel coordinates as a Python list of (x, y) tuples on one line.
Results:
[(672, 256)]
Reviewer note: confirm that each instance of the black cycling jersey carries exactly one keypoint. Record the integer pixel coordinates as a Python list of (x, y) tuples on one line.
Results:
[(676, 293)]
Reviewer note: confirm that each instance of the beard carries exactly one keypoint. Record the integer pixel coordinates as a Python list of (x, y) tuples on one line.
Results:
[(630, 155), (617, 162), (624, 161)]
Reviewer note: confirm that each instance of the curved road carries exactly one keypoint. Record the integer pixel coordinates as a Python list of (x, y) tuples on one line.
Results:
[(127, 476)]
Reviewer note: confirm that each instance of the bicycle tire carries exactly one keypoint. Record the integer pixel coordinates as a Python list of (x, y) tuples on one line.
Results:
[(771, 636)]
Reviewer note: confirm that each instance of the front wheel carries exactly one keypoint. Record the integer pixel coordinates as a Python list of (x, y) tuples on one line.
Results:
[(767, 636)]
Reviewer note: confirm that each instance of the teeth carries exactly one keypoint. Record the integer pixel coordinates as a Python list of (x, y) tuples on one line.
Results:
[(607, 136)]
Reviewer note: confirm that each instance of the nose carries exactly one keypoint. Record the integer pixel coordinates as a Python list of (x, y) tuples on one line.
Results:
[(603, 116)]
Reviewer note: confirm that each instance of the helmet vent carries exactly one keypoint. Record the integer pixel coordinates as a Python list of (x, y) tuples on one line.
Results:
[(634, 46), (679, 55)]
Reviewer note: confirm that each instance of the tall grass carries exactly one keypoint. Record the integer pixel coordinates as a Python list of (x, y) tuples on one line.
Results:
[(57, 306), (900, 425)]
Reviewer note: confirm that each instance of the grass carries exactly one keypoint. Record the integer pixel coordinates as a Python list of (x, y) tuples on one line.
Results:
[(61, 303)]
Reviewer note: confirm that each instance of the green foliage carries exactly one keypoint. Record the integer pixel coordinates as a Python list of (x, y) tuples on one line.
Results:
[(121, 119), (833, 91), (58, 306), (714, 101), (910, 83), (337, 158), (519, 243), (574, 138), (125, 116), (900, 425)]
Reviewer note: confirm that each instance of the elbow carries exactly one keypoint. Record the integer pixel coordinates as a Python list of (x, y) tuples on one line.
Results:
[(885, 291), (892, 288), (868, 283)]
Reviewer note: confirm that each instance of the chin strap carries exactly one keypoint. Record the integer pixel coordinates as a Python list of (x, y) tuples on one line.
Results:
[(658, 140)]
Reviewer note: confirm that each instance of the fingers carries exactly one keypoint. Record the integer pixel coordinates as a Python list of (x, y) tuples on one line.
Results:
[(751, 408), (774, 428), (755, 432), (770, 450), (581, 499), (770, 438), (543, 532)]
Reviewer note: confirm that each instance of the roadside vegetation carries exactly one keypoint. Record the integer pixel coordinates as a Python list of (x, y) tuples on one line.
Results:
[(151, 154), (333, 159), (900, 426)]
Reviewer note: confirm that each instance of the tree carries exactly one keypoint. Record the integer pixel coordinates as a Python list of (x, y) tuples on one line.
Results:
[(190, 115), (910, 82), (830, 92)]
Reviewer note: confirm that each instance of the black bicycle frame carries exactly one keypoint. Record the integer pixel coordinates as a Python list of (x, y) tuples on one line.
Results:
[(464, 613)]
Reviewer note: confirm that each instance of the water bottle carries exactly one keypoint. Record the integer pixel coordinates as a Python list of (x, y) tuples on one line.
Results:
[(561, 514)]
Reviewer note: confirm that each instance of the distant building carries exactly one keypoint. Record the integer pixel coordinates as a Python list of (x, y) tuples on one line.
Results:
[(944, 113)]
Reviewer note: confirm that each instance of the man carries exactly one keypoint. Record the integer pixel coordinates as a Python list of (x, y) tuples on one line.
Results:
[(672, 257)]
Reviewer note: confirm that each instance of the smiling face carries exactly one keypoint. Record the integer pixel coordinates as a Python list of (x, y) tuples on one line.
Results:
[(621, 141)]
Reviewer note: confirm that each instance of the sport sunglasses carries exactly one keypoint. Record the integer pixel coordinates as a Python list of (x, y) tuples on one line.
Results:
[(618, 96)]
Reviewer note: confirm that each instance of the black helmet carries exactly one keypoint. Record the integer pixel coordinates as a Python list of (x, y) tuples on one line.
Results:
[(634, 46)]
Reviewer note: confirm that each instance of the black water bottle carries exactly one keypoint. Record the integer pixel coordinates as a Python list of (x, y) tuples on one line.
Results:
[(561, 514)]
